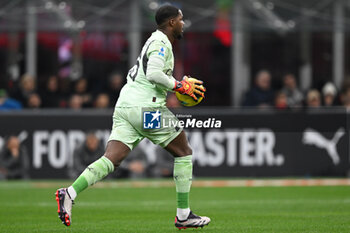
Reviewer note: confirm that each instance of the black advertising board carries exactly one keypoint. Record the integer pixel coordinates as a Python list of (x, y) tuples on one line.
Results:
[(226, 142)]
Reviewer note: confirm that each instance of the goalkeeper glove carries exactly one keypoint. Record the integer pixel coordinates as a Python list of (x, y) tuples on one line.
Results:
[(190, 86)]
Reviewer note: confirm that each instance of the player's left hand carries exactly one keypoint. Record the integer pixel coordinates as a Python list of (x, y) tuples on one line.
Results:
[(190, 86)]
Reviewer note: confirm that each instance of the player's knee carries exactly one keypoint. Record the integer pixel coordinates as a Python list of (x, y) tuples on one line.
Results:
[(114, 157), (116, 152), (189, 151), (185, 151)]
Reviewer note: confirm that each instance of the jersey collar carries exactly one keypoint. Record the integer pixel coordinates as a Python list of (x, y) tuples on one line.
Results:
[(164, 37)]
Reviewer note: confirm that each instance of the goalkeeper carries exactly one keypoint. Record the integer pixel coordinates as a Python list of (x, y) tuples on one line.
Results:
[(147, 85)]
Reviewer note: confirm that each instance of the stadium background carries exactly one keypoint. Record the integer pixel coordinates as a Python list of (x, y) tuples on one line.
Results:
[(62, 64)]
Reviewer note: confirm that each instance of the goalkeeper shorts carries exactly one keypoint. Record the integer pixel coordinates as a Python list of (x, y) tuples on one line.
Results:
[(132, 124)]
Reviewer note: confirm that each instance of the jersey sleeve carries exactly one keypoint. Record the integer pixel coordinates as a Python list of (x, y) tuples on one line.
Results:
[(156, 57), (158, 49)]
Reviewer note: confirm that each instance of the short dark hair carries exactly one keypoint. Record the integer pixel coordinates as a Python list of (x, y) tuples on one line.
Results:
[(166, 12)]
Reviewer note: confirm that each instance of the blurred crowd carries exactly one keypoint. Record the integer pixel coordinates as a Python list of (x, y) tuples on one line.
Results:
[(262, 95), (57, 92)]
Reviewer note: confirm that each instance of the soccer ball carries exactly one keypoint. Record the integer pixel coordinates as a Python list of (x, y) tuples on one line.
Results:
[(187, 100)]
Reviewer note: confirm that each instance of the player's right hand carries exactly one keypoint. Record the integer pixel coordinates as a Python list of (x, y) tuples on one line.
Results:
[(190, 86)]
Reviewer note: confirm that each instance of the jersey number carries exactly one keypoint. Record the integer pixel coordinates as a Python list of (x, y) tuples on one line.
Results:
[(133, 71)]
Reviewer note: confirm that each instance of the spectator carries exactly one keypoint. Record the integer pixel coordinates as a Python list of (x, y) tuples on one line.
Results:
[(261, 94), (281, 100), (75, 102), (329, 92), (90, 150), (114, 86), (313, 98), (135, 165), (34, 101), (65, 91), (290, 89), (81, 89), (27, 87), (8, 103), (14, 159), (164, 164), (102, 101), (51, 96), (345, 97)]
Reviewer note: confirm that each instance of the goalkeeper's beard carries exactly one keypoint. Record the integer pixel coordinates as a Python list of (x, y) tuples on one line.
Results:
[(179, 36)]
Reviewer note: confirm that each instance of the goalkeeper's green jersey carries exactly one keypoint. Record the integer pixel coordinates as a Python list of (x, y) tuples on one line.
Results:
[(139, 91)]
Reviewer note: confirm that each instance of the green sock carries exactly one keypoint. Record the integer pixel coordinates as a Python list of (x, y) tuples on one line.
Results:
[(93, 173), (183, 180)]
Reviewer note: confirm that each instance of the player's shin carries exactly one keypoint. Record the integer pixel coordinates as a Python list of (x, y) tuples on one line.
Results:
[(183, 181), (92, 174)]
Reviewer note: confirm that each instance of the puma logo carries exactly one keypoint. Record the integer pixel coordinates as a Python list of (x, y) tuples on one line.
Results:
[(312, 137)]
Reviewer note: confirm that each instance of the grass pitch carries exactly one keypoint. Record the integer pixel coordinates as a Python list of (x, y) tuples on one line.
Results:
[(31, 207)]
